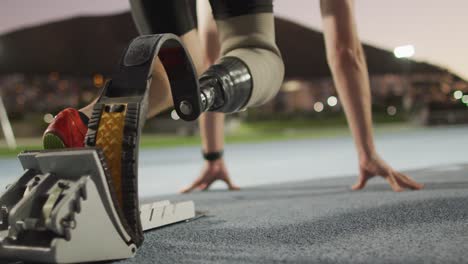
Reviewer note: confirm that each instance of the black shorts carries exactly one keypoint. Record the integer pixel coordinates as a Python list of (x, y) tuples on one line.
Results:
[(179, 16)]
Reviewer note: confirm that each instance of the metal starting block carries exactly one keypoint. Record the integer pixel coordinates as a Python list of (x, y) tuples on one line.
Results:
[(81, 205), (62, 207)]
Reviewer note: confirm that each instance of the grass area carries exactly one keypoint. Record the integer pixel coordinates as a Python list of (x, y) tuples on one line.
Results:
[(248, 132), (6, 152), (264, 132)]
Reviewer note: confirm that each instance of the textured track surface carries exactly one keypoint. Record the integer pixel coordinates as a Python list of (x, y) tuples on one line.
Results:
[(321, 221), (315, 220)]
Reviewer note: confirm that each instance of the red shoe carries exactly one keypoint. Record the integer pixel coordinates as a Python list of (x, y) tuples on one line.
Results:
[(66, 131)]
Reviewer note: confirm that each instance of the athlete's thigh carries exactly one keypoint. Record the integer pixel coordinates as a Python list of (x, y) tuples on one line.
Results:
[(163, 16)]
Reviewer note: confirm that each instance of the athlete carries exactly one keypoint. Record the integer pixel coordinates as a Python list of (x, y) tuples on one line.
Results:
[(348, 66), (250, 60)]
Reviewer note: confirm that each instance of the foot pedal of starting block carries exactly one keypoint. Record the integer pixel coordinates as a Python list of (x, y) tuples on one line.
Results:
[(57, 211)]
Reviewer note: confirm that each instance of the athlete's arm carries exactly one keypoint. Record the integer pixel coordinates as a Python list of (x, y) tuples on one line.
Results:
[(348, 65)]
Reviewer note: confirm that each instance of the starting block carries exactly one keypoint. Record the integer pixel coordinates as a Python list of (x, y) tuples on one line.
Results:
[(81, 205), (57, 212)]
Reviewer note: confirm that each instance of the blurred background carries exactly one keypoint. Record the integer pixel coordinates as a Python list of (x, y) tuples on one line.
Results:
[(57, 54)]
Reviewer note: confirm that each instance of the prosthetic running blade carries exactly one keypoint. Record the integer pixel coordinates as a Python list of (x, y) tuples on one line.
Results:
[(120, 113)]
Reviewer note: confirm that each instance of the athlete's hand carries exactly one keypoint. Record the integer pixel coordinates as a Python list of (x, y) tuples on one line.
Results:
[(212, 171), (375, 166)]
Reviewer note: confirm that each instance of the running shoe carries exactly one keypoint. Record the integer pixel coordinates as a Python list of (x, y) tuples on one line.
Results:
[(67, 130)]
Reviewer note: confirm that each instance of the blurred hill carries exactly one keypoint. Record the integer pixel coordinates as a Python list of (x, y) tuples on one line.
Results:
[(87, 45)]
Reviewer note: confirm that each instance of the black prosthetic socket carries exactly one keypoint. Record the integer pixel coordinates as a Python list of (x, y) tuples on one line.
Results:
[(232, 83)]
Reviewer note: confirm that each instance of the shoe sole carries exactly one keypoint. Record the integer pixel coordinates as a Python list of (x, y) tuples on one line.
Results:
[(52, 141)]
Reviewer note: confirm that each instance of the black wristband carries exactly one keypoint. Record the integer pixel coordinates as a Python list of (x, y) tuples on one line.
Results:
[(212, 156)]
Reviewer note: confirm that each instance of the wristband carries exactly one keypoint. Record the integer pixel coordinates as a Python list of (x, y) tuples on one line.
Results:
[(212, 156)]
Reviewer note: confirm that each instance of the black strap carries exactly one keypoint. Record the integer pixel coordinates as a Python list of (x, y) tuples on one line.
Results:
[(136, 65), (212, 156)]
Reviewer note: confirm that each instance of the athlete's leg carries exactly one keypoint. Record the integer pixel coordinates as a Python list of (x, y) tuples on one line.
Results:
[(250, 71), (155, 17), (87, 110), (166, 16)]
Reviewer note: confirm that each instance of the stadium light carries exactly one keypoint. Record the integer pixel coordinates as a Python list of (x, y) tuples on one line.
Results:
[(405, 51)]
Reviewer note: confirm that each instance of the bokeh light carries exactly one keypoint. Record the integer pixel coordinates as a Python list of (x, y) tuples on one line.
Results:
[(332, 101), (318, 107), (48, 118), (457, 94), (391, 110), (54, 76), (465, 99), (98, 80)]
